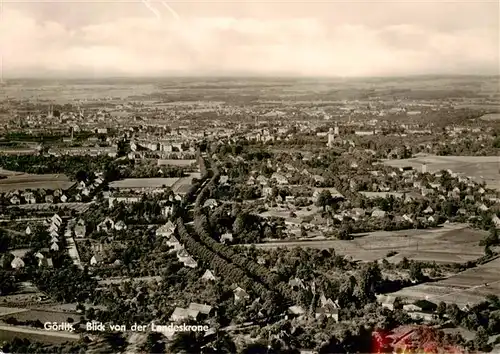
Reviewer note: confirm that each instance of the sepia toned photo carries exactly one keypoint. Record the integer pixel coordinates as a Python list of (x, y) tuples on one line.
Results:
[(249, 176)]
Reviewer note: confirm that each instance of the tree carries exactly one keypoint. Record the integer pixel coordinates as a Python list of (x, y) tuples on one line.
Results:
[(123, 148), (81, 175), (223, 344), (154, 343), (416, 272), (481, 339), (441, 309), (4, 241), (324, 199), (185, 342), (454, 313)]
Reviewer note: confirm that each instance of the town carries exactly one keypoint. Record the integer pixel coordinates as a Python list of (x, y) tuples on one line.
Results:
[(363, 219)]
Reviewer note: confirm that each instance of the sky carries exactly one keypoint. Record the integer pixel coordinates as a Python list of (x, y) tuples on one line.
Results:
[(106, 38)]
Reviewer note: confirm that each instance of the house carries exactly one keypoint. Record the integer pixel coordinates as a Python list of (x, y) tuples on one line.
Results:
[(167, 211), (226, 238), (267, 192), (202, 309), (296, 284), (106, 225), (30, 198), (428, 210), (63, 198), (189, 262), (210, 203), (45, 262), (421, 309), (174, 242), (407, 218), (496, 221), (324, 301), (120, 225), (53, 228), (377, 213), (483, 207), (386, 301), (328, 311), (54, 239), (166, 230), (240, 295), (80, 229), (182, 314), (49, 199), (262, 180), (184, 257), (96, 259), (280, 179), (296, 311), (15, 200), (318, 179), (54, 247), (208, 275), (28, 230), (17, 263)]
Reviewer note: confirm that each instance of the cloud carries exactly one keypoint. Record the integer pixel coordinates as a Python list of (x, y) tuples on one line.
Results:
[(310, 46)]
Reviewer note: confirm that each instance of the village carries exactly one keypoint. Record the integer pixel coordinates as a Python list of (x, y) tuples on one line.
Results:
[(358, 226)]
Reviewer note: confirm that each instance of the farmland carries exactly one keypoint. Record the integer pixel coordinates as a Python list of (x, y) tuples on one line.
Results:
[(453, 243), (137, 183), (481, 168), (11, 332), (468, 287), (27, 181), (491, 117)]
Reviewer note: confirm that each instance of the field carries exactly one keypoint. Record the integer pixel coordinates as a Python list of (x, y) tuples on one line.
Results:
[(26, 181), (491, 116), (86, 91), (452, 243), (481, 168), (42, 316), (468, 287), (183, 185), (8, 333), (138, 183)]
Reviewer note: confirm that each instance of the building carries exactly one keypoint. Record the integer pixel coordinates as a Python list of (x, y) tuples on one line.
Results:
[(17, 263), (331, 138), (182, 314), (240, 295), (208, 275)]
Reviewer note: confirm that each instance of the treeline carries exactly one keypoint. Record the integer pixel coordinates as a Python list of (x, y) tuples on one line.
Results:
[(202, 229), (222, 267)]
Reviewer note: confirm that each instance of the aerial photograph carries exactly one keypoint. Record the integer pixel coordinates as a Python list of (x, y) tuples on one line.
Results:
[(249, 176)]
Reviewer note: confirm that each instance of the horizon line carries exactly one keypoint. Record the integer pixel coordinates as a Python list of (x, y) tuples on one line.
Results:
[(239, 76)]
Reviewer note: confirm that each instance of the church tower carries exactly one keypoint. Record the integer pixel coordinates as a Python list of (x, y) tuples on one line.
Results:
[(331, 138)]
